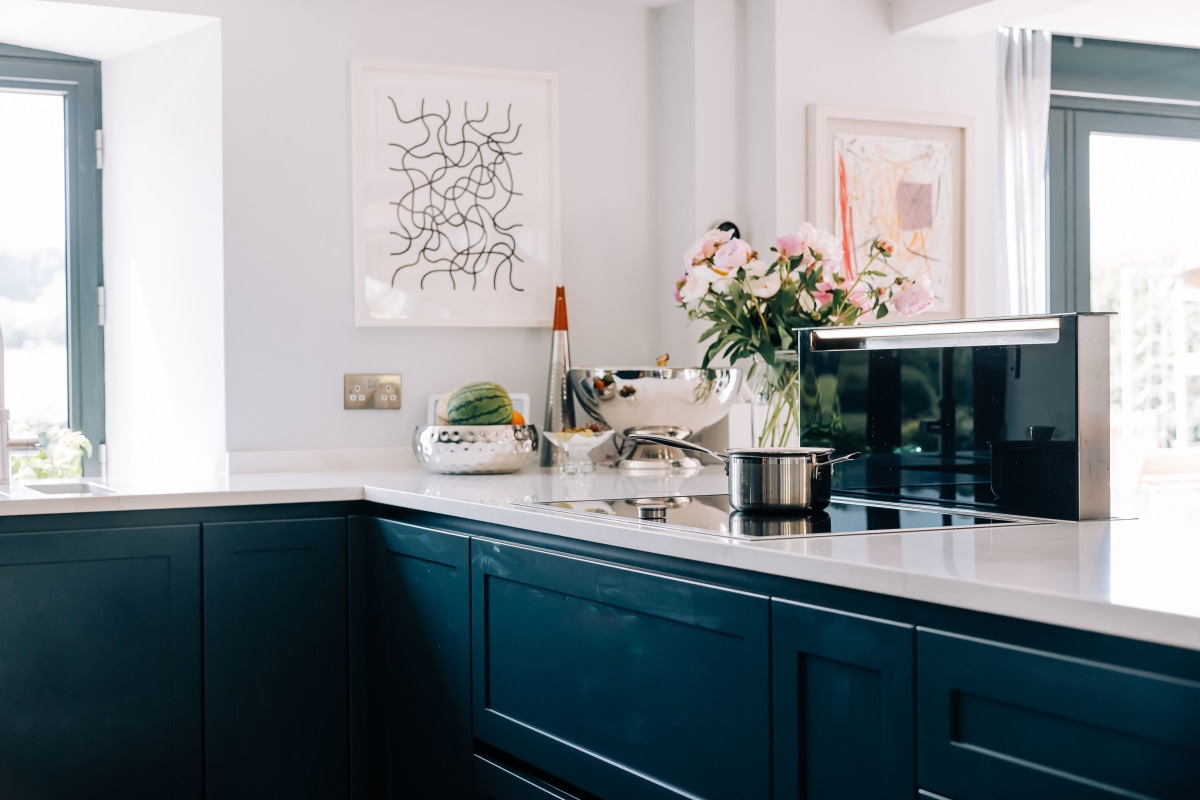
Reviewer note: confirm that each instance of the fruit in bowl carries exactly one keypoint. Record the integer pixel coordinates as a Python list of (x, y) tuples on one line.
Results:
[(478, 433)]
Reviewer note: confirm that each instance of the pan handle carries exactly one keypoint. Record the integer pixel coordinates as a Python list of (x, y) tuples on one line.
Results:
[(849, 457), (671, 441)]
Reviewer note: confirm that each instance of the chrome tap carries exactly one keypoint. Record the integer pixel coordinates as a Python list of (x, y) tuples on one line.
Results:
[(7, 443)]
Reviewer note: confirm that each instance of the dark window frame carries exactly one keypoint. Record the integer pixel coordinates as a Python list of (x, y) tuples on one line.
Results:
[(1105, 87), (78, 81)]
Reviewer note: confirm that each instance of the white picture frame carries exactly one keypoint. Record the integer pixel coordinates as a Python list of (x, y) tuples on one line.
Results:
[(946, 146), (456, 195)]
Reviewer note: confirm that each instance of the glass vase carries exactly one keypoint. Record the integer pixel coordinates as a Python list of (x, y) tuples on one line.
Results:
[(775, 400)]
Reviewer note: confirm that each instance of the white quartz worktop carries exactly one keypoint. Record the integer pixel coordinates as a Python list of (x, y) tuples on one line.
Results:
[(1133, 578)]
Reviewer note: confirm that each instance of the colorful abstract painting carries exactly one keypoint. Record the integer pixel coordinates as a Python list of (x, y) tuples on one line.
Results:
[(902, 189)]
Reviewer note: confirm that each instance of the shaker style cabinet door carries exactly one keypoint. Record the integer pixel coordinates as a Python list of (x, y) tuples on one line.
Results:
[(275, 652), (624, 683), (844, 705), (100, 690), (417, 661), (999, 721)]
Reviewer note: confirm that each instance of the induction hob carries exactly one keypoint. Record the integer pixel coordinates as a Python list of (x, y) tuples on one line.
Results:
[(713, 515)]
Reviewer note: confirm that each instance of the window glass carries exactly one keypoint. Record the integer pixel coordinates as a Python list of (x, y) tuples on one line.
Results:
[(1145, 265), (33, 293)]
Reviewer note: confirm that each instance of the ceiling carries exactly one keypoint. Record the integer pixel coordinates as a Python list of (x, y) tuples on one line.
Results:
[(87, 31), (1173, 22)]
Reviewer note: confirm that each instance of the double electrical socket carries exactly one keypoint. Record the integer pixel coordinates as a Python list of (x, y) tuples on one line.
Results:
[(370, 391)]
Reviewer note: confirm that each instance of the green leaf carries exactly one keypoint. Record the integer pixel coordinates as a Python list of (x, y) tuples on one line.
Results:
[(882, 312)]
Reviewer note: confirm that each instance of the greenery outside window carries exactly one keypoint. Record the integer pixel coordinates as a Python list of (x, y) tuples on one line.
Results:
[(51, 295)]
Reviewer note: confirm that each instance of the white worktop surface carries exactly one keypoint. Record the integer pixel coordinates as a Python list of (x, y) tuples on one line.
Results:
[(1134, 577)]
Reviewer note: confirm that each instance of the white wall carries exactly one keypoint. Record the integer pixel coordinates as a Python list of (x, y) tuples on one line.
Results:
[(288, 273), (288, 237), (287, 217), (163, 266), (844, 53)]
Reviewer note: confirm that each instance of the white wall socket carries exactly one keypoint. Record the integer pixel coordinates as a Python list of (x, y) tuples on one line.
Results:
[(370, 391)]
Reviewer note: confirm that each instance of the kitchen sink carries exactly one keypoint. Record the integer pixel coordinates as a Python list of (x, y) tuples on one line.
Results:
[(73, 488)]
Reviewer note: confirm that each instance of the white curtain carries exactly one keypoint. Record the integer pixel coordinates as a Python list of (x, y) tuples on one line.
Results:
[(1023, 70)]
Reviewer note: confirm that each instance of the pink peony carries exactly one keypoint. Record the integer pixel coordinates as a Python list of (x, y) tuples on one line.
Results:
[(790, 245), (706, 247), (714, 239), (824, 293), (912, 298), (679, 284), (733, 254)]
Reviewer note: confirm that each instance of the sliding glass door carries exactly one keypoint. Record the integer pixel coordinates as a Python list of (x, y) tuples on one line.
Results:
[(1125, 237)]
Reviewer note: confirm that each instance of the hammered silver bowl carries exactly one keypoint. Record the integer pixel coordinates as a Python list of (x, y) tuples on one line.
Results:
[(475, 449)]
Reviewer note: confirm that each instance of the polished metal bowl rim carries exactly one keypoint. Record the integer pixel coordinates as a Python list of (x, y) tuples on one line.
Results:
[(656, 372)]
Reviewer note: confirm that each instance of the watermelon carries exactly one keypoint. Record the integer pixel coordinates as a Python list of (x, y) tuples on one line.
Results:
[(480, 404)]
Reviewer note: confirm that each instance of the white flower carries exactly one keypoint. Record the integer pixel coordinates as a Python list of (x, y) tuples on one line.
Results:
[(756, 268), (764, 286), (720, 281), (823, 243), (696, 285)]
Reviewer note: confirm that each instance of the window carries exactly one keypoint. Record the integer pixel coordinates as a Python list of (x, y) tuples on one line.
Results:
[(1124, 170), (50, 248)]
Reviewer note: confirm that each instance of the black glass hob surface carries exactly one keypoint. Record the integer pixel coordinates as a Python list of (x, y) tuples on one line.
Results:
[(712, 514)]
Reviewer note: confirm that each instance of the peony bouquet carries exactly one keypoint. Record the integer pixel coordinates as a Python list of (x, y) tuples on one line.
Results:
[(755, 304)]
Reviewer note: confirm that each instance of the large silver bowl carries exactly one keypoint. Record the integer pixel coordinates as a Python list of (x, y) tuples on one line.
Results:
[(475, 449), (666, 400)]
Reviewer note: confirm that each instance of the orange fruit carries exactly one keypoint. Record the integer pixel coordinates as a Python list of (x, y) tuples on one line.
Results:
[(517, 418)]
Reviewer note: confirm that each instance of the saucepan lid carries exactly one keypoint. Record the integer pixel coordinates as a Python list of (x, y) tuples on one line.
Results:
[(811, 454)]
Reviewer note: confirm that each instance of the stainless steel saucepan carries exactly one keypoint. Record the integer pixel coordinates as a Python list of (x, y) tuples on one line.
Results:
[(771, 478)]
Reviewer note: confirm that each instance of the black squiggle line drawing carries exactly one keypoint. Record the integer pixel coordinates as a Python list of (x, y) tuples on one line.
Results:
[(460, 183)]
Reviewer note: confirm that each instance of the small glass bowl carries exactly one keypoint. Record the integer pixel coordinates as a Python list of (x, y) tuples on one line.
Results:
[(577, 447)]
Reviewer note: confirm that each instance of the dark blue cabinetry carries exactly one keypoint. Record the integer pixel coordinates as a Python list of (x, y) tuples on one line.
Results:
[(100, 691), (484, 662), (275, 653), (624, 683), (844, 702), (498, 782), (1000, 722), (417, 660)]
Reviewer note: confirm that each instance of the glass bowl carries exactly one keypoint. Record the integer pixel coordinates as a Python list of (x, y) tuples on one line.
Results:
[(578, 447)]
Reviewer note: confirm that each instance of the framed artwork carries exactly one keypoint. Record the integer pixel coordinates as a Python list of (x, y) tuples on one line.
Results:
[(456, 205), (904, 175)]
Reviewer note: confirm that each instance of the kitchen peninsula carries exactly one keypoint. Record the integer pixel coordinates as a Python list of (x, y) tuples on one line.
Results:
[(362, 634)]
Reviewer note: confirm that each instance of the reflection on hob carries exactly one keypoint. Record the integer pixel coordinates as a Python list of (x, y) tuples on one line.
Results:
[(712, 514)]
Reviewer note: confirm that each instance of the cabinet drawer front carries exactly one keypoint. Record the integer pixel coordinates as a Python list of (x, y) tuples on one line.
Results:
[(1000, 721), (624, 683)]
